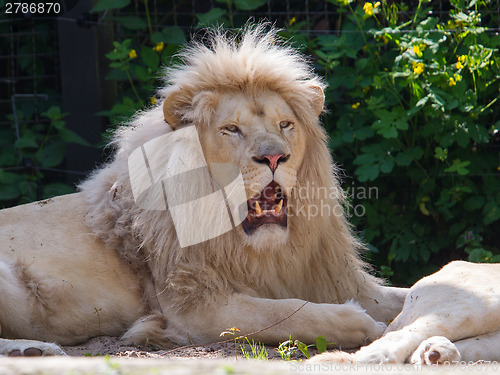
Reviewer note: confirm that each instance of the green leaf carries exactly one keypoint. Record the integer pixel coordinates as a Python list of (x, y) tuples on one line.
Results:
[(9, 192), (173, 35), (459, 167), (8, 156), (491, 213), (118, 64), (71, 137), (132, 22), (389, 122), (368, 172), (480, 255), (303, 348), (141, 73), (364, 133), (54, 113), (103, 5), (387, 165), (249, 4), (25, 142), (52, 154), (440, 153), (150, 57), (321, 344), (157, 37), (474, 203), (59, 124), (9, 177), (211, 16), (55, 189), (462, 137), (388, 132), (404, 158)]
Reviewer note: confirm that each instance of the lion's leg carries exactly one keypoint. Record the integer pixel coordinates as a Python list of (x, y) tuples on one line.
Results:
[(455, 303), (148, 331), (346, 325), (418, 338), (15, 315), (439, 349), (484, 347), (15, 310), (382, 303)]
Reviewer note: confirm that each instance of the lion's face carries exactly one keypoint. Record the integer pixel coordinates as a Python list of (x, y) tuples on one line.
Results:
[(261, 135)]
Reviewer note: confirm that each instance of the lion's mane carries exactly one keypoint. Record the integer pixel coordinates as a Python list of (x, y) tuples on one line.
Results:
[(320, 260)]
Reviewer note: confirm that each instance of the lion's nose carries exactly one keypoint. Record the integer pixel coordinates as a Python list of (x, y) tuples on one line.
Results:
[(272, 160)]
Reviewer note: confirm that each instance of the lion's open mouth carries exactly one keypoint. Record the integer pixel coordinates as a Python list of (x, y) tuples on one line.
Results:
[(269, 207)]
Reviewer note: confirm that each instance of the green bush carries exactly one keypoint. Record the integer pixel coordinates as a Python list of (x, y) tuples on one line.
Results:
[(413, 119), (33, 133), (25, 158), (414, 112)]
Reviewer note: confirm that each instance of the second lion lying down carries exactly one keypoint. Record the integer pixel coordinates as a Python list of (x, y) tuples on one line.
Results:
[(450, 316)]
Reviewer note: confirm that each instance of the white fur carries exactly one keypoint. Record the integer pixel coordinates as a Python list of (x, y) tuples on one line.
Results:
[(453, 313), (46, 348)]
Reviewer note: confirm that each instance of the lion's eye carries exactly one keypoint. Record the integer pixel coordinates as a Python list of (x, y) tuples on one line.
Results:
[(230, 129), (286, 124)]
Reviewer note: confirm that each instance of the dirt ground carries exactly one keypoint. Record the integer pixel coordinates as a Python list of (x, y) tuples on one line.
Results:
[(104, 345)]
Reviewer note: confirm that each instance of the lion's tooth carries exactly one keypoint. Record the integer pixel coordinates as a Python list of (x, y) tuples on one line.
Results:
[(278, 207), (258, 210)]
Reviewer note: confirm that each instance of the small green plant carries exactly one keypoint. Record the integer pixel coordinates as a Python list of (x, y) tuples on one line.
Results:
[(232, 332), (289, 349), (321, 344), (257, 350)]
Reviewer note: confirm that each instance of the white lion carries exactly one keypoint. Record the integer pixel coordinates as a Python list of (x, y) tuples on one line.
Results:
[(448, 317), (98, 263)]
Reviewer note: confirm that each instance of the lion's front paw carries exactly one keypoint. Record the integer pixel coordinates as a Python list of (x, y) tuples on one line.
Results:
[(28, 348), (435, 350), (361, 328)]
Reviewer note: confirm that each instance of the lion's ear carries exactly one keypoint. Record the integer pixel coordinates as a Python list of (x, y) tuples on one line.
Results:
[(171, 107), (318, 99)]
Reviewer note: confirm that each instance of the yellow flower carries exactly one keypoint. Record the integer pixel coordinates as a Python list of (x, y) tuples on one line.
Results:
[(356, 105), (385, 39), (159, 47), (368, 8), (416, 50), (462, 58), (418, 68), (292, 21), (132, 54), (452, 82), (457, 77), (153, 100), (459, 65)]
